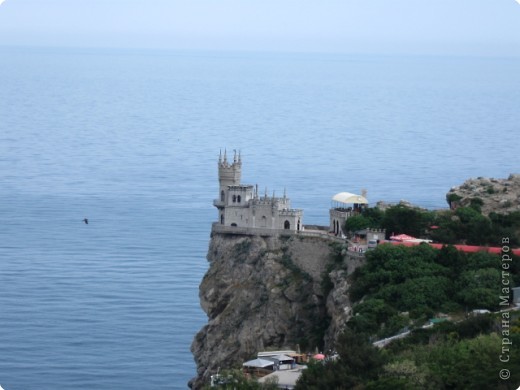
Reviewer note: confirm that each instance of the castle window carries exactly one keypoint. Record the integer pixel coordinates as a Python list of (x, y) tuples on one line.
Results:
[(239, 198), (222, 219), (222, 196), (287, 225), (234, 224), (234, 198)]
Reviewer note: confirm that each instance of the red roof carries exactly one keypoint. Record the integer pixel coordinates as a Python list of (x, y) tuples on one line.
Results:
[(464, 248)]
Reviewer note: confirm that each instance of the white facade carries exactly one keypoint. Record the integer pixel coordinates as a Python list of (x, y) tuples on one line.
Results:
[(240, 205)]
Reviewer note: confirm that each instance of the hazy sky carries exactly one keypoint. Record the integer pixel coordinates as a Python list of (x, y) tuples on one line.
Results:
[(389, 26)]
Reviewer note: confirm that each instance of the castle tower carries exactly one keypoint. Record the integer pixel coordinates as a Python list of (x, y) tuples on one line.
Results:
[(228, 174)]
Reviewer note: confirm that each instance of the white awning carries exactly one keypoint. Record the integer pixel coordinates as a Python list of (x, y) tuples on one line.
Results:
[(347, 197)]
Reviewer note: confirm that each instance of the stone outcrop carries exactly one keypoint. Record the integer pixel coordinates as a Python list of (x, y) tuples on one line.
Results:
[(264, 293), (493, 195)]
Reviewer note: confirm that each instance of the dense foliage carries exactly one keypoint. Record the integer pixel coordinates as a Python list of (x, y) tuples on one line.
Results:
[(403, 286), (448, 356), (400, 288), (463, 225)]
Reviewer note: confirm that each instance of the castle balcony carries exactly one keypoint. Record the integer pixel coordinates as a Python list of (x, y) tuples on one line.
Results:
[(343, 212), (218, 203)]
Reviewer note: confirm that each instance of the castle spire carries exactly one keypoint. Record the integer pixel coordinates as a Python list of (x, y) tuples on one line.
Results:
[(225, 156), (239, 157), (235, 156), (220, 157)]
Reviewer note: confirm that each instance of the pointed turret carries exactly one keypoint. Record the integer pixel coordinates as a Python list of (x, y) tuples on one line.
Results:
[(228, 174)]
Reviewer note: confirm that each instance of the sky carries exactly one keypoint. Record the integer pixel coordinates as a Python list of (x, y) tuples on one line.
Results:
[(485, 27)]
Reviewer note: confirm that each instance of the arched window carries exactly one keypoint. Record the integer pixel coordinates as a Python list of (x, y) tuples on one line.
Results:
[(287, 225), (299, 222), (222, 196), (239, 198), (234, 224), (234, 198), (222, 219), (263, 221)]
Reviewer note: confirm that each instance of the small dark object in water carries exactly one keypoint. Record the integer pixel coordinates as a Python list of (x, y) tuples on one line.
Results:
[(86, 221)]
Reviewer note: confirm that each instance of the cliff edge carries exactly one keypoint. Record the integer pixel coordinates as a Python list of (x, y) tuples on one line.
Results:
[(264, 293)]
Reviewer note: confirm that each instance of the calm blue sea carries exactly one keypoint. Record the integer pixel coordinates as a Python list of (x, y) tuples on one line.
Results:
[(130, 140)]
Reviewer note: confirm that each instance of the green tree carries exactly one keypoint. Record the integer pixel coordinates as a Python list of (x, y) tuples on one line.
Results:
[(480, 288), (471, 364), (403, 219), (357, 222)]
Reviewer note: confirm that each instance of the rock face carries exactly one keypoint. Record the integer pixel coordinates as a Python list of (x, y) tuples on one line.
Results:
[(265, 293), (497, 195)]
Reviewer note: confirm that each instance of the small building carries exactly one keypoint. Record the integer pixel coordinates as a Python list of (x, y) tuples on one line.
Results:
[(345, 205), (369, 237)]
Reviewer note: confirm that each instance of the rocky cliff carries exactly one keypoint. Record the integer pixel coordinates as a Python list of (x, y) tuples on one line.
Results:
[(497, 195), (265, 293)]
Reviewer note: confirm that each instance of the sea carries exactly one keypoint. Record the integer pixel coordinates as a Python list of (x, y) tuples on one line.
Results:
[(130, 139)]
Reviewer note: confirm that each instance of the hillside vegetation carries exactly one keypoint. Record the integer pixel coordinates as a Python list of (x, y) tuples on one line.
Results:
[(399, 289), (464, 225)]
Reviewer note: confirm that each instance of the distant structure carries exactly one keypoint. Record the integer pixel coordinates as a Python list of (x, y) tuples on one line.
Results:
[(344, 206), (240, 205)]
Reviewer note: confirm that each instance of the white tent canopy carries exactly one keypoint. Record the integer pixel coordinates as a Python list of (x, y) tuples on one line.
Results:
[(348, 198)]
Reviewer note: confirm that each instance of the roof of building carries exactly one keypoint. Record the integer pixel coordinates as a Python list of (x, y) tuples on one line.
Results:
[(348, 198), (462, 248), (258, 363)]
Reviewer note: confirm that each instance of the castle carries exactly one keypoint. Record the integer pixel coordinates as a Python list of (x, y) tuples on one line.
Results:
[(240, 205)]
